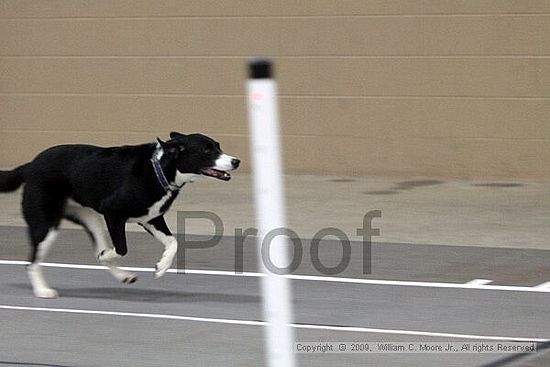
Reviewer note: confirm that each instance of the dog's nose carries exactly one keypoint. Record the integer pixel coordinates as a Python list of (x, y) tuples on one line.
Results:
[(235, 162)]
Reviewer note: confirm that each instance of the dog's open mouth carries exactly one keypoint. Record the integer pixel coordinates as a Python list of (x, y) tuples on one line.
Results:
[(216, 173)]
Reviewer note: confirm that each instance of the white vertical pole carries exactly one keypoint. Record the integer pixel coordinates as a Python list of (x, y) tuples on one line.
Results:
[(270, 210)]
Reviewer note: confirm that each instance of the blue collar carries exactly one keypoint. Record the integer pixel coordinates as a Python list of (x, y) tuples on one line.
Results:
[(162, 178)]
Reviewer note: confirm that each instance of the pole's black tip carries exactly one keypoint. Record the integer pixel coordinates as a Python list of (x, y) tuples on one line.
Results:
[(260, 69)]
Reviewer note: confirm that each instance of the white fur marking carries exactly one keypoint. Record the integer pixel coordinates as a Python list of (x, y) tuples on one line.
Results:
[(159, 152), (170, 249), (153, 211), (105, 253), (107, 256), (183, 178), (45, 245), (224, 163), (40, 288)]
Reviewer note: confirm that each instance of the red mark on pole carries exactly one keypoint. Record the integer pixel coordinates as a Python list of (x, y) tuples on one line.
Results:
[(256, 96)]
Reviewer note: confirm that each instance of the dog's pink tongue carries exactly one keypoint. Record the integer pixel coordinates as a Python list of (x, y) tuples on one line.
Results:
[(221, 175)]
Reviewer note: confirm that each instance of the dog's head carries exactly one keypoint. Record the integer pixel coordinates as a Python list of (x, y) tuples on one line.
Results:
[(199, 155)]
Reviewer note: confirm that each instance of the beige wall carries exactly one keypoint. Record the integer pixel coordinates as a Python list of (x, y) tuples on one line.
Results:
[(368, 87)]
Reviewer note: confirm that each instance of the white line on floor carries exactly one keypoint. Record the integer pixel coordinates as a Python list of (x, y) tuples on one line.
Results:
[(543, 286), (475, 282), (401, 283), (261, 323)]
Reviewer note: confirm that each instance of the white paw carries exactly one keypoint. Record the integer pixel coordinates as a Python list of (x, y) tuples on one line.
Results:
[(162, 266), (160, 270), (107, 255), (46, 293), (166, 261)]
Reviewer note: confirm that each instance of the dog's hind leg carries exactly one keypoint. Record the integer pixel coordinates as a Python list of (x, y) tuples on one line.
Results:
[(34, 269), (93, 224), (42, 211)]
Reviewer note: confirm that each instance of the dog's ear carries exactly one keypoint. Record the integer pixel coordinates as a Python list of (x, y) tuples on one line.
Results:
[(176, 135), (171, 150)]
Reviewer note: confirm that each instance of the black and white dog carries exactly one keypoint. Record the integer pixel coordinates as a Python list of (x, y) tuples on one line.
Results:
[(91, 186)]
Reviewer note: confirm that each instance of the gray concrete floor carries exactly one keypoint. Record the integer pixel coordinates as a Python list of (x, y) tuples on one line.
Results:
[(100, 340), (431, 231), (62, 339)]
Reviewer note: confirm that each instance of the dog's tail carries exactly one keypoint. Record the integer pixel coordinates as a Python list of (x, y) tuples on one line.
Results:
[(11, 180)]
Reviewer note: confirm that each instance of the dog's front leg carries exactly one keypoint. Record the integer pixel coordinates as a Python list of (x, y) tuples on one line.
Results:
[(117, 229), (157, 228)]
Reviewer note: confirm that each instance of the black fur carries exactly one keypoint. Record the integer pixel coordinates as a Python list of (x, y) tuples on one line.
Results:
[(11, 180), (118, 182)]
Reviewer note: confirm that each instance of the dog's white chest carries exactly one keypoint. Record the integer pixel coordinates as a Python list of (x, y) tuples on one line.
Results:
[(154, 210)]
